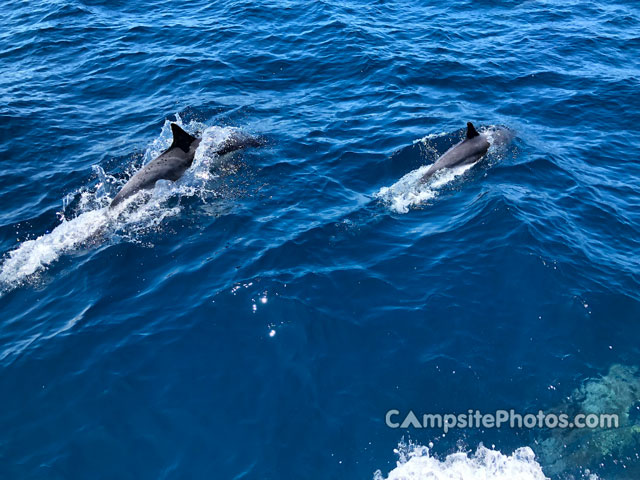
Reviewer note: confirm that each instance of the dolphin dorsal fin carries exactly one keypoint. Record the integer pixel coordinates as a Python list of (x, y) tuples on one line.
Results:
[(181, 139), (471, 131)]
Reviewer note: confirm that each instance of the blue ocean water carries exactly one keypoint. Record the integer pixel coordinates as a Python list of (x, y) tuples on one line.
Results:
[(258, 318)]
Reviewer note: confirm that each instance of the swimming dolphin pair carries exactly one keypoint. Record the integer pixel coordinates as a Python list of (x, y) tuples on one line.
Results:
[(173, 162), (468, 151)]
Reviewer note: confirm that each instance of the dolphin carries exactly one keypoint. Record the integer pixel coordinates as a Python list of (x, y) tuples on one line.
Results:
[(173, 162), (468, 151)]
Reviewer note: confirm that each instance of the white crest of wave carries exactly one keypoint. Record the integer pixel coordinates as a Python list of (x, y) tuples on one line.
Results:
[(95, 220), (417, 463)]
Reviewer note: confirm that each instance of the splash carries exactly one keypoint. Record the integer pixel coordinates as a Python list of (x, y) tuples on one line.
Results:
[(34, 255), (417, 463), (87, 220)]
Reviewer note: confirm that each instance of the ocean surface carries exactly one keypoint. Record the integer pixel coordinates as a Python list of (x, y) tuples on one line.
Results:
[(258, 318)]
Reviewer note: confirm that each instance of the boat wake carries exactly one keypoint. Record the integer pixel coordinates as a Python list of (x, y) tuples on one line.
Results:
[(418, 463)]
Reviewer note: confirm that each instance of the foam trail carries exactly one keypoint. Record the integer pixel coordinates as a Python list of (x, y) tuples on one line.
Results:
[(417, 463), (34, 255), (92, 218), (409, 191)]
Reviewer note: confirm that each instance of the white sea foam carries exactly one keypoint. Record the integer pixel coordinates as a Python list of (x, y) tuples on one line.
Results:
[(34, 255), (90, 220), (417, 463), (409, 191)]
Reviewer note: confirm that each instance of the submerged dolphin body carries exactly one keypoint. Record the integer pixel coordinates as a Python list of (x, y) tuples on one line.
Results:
[(468, 151), (173, 162)]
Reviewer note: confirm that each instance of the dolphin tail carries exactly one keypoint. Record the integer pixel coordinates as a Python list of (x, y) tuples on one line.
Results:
[(181, 139), (471, 131)]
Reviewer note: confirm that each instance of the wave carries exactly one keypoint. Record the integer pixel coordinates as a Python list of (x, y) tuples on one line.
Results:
[(416, 462), (86, 219)]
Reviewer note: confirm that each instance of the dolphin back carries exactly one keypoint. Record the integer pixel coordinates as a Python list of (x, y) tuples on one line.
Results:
[(470, 150)]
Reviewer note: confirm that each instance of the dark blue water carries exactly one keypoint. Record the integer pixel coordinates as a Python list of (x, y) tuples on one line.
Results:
[(258, 318)]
